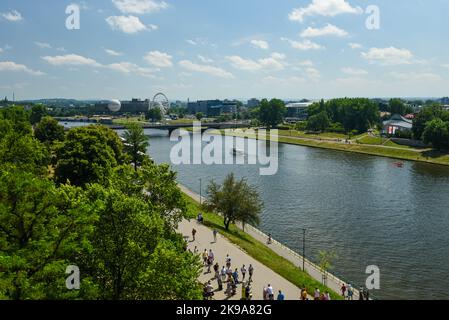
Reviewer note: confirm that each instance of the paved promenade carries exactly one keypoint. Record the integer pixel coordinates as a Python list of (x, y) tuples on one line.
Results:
[(223, 245)]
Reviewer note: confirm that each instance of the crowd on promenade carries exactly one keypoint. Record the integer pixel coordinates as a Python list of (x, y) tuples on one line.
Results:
[(227, 277)]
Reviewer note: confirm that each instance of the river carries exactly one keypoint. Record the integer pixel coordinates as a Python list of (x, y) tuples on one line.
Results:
[(364, 207)]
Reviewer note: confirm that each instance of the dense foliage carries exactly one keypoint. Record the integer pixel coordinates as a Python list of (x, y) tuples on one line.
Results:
[(96, 211), (357, 114), (271, 113)]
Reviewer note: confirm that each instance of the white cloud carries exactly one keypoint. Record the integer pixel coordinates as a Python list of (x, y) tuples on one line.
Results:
[(354, 46), (390, 56), (326, 8), (192, 42), (128, 68), (204, 59), (313, 74), (140, 6), (15, 67), (42, 45), (271, 63), (303, 45), (159, 59), (306, 63), (113, 52), (71, 60), (129, 24), (261, 44), (354, 72), (328, 30), (214, 71), (415, 76), (13, 16)]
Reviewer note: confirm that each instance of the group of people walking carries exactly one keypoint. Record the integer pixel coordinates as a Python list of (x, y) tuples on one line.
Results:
[(347, 291)]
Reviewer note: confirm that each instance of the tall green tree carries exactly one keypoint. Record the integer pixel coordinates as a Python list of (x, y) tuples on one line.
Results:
[(427, 114), (154, 114), (88, 155), (397, 106), (37, 113), (136, 144), (42, 229), (437, 133), (271, 113), (318, 122), (48, 130), (235, 200)]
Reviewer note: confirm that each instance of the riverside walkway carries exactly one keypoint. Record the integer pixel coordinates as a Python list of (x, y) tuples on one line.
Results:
[(262, 275)]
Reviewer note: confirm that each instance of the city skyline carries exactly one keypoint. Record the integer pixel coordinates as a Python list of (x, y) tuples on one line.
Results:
[(201, 50)]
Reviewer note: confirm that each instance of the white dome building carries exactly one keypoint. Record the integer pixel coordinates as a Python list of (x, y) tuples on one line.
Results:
[(114, 105)]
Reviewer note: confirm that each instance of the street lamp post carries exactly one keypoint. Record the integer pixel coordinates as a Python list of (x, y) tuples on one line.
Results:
[(201, 190), (304, 249)]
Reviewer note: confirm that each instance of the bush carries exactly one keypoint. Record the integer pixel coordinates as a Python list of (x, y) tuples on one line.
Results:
[(301, 125)]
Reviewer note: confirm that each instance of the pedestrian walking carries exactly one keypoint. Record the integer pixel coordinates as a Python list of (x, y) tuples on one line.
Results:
[(350, 292), (235, 276), (280, 296), (223, 273), (269, 239), (228, 261), (270, 292), (343, 290), (205, 256), (304, 295), (215, 232), (193, 234), (211, 256), (265, 293), (316, 294), (243, 271), (250, 271)]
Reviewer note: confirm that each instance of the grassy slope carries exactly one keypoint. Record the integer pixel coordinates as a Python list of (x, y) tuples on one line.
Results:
[(260, 252), (434, 157)]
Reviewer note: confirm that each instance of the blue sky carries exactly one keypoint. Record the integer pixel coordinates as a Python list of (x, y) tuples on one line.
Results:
[(201, 49)]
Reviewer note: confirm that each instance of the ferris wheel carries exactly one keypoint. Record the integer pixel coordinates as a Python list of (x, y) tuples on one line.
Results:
[(160, 101)]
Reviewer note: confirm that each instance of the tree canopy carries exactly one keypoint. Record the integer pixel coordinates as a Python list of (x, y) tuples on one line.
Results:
[(271, 113), (235, 200), (136, 144)]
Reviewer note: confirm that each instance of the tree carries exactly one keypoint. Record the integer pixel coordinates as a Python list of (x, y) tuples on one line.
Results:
[(437, 133), (136, 144), (18, 118), (271, 113), (397, 106), (318, 122), (88, 155), (37, 113), (235, 200), (25, 152), (428, 113), (199, 116), (326, 259), (42, 230), (48, 130), (154, 114)]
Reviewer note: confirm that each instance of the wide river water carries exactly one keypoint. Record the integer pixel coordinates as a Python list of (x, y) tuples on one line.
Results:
[(368, 210)]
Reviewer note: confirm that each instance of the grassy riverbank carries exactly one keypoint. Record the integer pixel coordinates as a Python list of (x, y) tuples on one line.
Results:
[(259, 251), (428, 156)]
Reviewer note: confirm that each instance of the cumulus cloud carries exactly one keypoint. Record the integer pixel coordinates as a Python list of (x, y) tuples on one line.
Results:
[(16, 67), (113, 53), (261, 44), (204, 59), (390, 56), (214, 71), (159, 59), (415, 76), (42, 45), (354, 71), (13, 16), (303, 45), (326, 8), (313, 74), (129, 24), (354, 45), (274, 62), (131, 68), (71, 60), (328, 30), (140, 6)]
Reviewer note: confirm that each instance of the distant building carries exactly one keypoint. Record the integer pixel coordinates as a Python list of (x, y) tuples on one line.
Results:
[(253, 103), (212, 108), (297, 111), (397, 123), (135, 106)]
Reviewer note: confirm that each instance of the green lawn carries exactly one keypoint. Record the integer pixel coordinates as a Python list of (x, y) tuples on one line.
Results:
[(260, 252), (130, 120), (403, 153)]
